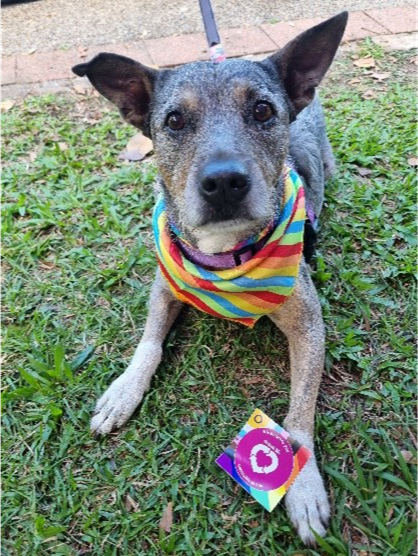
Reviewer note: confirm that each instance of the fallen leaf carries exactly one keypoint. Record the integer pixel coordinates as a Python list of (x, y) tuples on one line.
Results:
[(365, 62), (408, 456), (369, 94), (91, 121), (354, 81), (130, 504), (413, 161), (380, 76), (364, 171), (82, 51), (62, 146), (414, 60), (232, 518), (47, 265), (7, 104), (79, 89), (167, 519), (137, 148)]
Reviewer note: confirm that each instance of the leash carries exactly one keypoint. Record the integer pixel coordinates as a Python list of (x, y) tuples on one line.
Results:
[(216, 50)]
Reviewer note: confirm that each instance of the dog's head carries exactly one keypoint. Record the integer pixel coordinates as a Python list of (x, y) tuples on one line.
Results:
[(220, 131)]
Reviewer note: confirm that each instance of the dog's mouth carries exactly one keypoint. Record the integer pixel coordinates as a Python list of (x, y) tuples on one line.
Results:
[(224, 217), (232, 225)]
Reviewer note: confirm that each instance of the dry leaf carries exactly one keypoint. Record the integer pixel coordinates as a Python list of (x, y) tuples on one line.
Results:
[(354, 81), (7, 104), (82, 51), (91, 121), (130, 504), (79, 89), (167, 519), (408, 456), (380, 76), (414, 60), (365, 63), (47, 265), (364, 171), (413, 161), (137, 148), (63, 146), (369, 94), (232, 518)]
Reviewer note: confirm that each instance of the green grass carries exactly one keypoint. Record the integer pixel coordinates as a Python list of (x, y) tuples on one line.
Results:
[(77, 273)]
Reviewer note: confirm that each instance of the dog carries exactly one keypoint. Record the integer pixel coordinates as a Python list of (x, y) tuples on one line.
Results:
[(222, 136)]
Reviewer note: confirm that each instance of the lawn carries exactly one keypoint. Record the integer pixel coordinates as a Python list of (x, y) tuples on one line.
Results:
[(78, 264)]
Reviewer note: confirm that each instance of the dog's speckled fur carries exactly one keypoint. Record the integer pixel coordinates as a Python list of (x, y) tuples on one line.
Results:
[(217, 103)]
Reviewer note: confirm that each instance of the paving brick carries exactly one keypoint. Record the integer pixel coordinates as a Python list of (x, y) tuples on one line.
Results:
[(176, 50), (46, 66), (246, 40), (303, 24), (8, 70), (135, 50), (359, 26), (396, 20), (281, 33)]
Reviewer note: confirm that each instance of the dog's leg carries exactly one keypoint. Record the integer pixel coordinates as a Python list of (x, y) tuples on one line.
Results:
[(328, 159), (124, 395), (301, 321)]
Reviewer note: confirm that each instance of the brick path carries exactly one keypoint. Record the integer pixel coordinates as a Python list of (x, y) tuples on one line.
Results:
[(19, 72)]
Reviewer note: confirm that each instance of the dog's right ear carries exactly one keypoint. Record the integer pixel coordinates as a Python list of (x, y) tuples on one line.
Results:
[(126, 83)]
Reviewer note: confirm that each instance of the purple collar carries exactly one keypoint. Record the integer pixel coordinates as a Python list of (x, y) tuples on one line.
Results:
[(226, 260)]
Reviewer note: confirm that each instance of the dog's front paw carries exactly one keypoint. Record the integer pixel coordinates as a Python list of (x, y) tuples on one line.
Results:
[(307, 503), (125, 394), (117, 404)]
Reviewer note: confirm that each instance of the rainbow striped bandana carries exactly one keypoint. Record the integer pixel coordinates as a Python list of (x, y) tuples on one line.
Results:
[(249, 290)]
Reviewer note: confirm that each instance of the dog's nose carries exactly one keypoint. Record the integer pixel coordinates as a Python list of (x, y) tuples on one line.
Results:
[(224, 181)]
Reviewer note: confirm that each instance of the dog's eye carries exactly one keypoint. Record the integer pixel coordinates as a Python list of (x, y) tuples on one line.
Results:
[(263, 111), (175, 121)]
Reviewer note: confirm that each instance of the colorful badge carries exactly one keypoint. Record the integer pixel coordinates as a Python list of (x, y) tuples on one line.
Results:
[(264, 459)]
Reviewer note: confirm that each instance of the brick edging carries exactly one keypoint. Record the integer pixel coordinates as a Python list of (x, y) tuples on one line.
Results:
[(175, 50)]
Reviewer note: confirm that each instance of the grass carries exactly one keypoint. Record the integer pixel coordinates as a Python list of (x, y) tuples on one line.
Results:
[(78, 264)]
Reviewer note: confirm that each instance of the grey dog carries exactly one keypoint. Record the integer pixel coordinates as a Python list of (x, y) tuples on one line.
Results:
[(233, 125)]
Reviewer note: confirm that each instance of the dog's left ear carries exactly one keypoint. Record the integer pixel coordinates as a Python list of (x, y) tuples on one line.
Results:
[(304, 61), (125, 82)]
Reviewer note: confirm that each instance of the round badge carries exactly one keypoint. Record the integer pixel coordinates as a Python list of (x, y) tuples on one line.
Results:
[(264, 459)]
